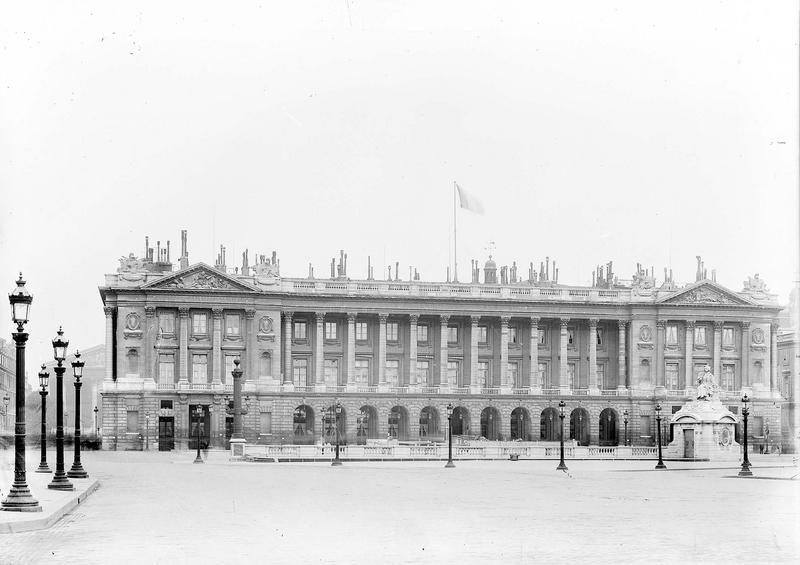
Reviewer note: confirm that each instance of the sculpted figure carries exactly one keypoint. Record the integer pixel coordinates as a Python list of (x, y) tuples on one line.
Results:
[(705, 385)]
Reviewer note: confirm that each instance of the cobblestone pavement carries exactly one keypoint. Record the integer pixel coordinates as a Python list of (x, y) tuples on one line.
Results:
[(160, 508)]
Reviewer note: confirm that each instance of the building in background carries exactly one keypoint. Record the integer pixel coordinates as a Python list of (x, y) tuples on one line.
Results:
[(8, 369), (502, 349), (789, 367)]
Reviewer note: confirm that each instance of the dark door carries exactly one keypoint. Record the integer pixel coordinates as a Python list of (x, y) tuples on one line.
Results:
[(688, 443), (228, 431), (200, 426), (166, 433)]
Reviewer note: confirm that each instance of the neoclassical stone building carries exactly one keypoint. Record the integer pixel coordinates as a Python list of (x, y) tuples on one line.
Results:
[(396, 353)]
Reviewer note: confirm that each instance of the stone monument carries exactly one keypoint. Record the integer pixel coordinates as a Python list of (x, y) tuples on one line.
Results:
[(704, 429)]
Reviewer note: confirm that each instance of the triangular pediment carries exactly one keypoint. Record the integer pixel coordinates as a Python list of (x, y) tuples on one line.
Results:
[(200, 277), (706, 293)]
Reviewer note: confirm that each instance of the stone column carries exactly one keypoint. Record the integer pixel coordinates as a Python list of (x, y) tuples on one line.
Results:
[(622, 375), (216, 346), (443, 320), (661, 329), (412, 349), (535, 380), (745, 378), (504, 380), (287, 348), (183, 367), (150, 356), (774, 381), (473, 353), (717, 351), (109, 374), (251, 370), (351, 347), (563, 378), (689, 343), (593, 384), (319, 354), (382, 349)]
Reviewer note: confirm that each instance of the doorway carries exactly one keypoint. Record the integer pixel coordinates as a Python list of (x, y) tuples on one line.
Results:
[(688, 443), (166, 433)]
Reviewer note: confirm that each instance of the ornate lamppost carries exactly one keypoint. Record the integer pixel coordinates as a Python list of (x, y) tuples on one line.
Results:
[(660, 464), (60, 481), (745, 470), (44, 376), (561, 465), (77, 471), (625, 420), (450, 463), (147, 431), (337, 411), (96, 429), (198, 414), (19, 497)]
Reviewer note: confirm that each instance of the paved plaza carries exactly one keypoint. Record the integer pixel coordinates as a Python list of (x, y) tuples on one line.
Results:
[(160, 508)]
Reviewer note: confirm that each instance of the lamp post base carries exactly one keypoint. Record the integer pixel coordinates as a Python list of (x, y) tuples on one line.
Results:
[(660, 465), (43, 468), (561, 466), (60, 482), (19, 499), (77, 472), (336, 463), (745, 471), (449, 465)]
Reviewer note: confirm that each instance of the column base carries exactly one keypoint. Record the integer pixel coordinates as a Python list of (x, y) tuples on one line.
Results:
[(19, 499), (77, 472), (43, 468), (237, 448), (594, 392), (60, 482)]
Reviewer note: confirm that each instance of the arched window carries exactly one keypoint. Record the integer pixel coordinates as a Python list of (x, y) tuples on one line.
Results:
[(644, 371), (133, 361)]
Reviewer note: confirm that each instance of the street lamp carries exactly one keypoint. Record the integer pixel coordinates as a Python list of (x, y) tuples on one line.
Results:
[(44, 376), (660, 464), (147, 431), (450, 463), (337, 411), (745, 471), (96, 429), (60, 481), (77, 471), (198, 413), (625, 419), (561, 465), (19, 497), (237, 400)]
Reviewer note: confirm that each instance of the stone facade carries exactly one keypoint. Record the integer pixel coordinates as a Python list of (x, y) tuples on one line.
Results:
[(8, 387), (396, 353)]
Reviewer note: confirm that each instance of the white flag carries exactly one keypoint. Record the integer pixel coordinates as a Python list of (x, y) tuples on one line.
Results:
[(468, 201)]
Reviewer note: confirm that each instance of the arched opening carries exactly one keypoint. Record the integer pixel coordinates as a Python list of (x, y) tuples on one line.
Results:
[(460, 421), (331, 422), (398, 423), (303, 425), (579, 426), (608, 427), (366, 424), (520, 424), (549, 425), (490, 423), (429, 424)]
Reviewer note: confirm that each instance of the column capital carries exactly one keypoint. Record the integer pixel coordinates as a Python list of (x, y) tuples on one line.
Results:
[(149, 311), (382, 318), (661, 324), (288, 314), (473, 320), (746, 325), (691, 323), (504, 320), (108, 310), (535, 321), (622, 324), (250, 313), (216, 313), (774, 327), (351, 317), (444, 318), (593, 322), (319, 317), (718, 325), (564, 322), (183, 311), (413, 318)]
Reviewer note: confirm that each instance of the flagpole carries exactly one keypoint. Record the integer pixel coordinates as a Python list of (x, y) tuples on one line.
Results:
[(455, 237)]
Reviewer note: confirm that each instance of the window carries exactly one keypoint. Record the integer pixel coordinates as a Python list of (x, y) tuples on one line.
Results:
[(232, 325), (544, 375), (756, 429), (265, 364), (422, 334), (199, 324), (452, 334), (362, 329), (393, 372), (392, 331), (229, 366), (133, 361), (331, 330), (758, 372), (166, 405), (362, 371), (671, 376), (166, 323), (200, 368), (300, 330), (601, 376), (645, 426), (601, 337), (423, 372), (571, 375), (266, 423), (543, 336), (672, 334), (483, 374), (331, 370), (644, 371), (166, 368), (700, 336), (512, 334), (133, 422), (571, 337), (453, 376), (483, 334), (726, 381), (513, 374), (300, 372), (727, 338)]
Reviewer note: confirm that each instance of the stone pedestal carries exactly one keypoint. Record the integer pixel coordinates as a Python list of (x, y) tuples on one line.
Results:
[(237, 449), (704, 430)]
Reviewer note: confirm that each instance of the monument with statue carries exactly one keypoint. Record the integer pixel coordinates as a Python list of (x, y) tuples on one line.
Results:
[(704, 429)]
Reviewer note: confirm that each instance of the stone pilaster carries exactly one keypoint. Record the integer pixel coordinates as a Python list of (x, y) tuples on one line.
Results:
[(505, 382), (287, 348), (109, 373), (533, 371), (745, 378), (150, 357), (473, 354), (563, 378), (382, 349), (717, 351), (622, 374), (593, 384), (183, 363), (412, 349), (319, 353), (216, 347), (351, 348), (443, 320), (661, 330), (689, 343), (251, 353), (774, 380)]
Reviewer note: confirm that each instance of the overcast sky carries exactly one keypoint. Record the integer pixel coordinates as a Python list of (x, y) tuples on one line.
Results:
[(591, 131)]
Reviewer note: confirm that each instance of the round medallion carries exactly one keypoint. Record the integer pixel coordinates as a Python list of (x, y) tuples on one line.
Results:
[(645, 334), (725, 437), (758, 335), (132, 321)]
